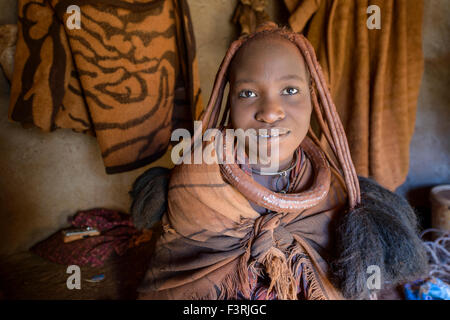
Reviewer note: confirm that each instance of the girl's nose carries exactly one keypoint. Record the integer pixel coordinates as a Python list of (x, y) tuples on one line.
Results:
[(270, 112)]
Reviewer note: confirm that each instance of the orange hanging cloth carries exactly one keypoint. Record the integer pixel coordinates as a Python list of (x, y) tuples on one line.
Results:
[(374, 76)]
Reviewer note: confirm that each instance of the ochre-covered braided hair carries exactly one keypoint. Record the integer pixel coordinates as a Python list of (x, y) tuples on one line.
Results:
[(323, 105)]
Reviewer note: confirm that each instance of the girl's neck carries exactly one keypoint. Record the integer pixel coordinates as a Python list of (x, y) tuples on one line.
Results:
[(283, 165)]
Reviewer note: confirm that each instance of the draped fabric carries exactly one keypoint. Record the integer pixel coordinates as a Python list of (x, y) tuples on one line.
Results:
[(214, 243), (128, 75), (374, 76)]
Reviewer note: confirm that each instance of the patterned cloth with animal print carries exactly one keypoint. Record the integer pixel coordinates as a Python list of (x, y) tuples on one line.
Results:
[(125, 71)]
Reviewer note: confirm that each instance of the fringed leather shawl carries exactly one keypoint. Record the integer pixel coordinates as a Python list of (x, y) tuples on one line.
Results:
[(213, 238)]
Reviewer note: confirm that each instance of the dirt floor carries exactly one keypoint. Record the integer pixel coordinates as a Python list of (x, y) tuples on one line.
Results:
[(27, 276)]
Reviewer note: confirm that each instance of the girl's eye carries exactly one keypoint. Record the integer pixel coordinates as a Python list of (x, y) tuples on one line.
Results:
[(290, 91), (247, 94)]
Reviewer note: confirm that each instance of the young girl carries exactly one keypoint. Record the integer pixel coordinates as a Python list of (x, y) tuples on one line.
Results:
[(304, 231)]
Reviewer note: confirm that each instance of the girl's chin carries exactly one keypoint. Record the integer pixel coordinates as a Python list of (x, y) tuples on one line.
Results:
[(281, 153)]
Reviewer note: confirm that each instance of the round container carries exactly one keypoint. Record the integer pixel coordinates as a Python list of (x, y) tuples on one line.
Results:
[(440, 207)]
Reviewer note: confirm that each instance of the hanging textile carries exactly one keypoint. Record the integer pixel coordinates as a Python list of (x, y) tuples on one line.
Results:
[(374, 76), (128, 74)]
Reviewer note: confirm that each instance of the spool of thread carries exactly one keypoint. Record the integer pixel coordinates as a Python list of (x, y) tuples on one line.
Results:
[(440, 207)]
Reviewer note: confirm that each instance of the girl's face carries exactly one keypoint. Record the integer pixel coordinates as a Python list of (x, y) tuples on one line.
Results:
[(269, 88)]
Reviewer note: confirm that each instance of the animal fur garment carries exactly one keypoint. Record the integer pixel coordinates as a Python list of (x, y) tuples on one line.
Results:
[(127, 75), (149, 194), (381, 231), (374, 76), (249, 14)]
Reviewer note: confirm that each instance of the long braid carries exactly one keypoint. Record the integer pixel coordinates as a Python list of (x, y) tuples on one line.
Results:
[(324, 109), (333, 121)]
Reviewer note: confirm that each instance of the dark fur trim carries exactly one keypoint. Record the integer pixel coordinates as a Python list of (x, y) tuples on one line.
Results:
[(382, 231), (149, 194)]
